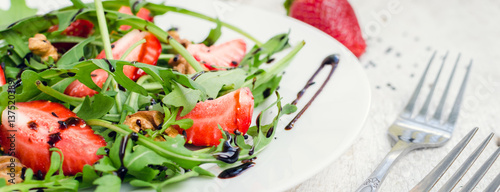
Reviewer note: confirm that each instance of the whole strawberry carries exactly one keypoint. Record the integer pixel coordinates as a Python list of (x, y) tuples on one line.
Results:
[(334, 17)]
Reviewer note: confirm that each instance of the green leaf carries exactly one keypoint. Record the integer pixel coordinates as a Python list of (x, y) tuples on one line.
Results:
[(183, 97), (261, 54), (184, 123), (78, 4), (136, 5), (34, 64), (105, 165), (141, 183), (88, 176), (55, 164), (137, 163), (74, 54), (28, 88), (59, 86), (214, 34), (65, 19), (108, 183), (289, 109), (99, 107), (20, 45), (212, 82), (18, 10), (264, 90), (287, 4), (3, 182)]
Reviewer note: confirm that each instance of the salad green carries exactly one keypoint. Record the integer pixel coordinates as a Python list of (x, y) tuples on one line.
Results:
[(150, 163)]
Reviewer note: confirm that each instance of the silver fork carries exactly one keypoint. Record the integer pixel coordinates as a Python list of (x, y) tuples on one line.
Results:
[(433, 177), (418, 132)]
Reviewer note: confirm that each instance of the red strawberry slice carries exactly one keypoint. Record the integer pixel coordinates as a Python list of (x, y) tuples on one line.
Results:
[(228, 54), (2, 77), (78, 89), (79, 28), (232, 111), (40, 125), (148, 53), (334, 17), (143, 14)]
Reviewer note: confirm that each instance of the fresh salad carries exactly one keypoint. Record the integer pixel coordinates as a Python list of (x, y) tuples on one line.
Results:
[(96, 95)]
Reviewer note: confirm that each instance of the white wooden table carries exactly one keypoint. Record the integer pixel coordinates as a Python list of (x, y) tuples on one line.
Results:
[(401, 35)]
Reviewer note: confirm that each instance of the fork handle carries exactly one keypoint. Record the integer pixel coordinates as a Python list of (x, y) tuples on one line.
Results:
[(375, 179)]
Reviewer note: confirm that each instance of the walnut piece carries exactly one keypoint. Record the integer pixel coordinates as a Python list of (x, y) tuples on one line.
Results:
[(175, 35), (40, 46), (181, 65), (11, 169), (143, 120)]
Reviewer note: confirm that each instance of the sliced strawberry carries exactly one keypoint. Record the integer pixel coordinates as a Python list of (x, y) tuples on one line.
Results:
[(40, 125), (2, 77), (79, 141), (147, 52), (143, 14), (334, 17), (79, 28), (78, 89), (218, 57), (232, 111)]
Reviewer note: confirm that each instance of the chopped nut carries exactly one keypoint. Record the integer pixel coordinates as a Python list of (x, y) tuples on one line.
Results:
[(180, 64), (11, 169), (175, 35), (170, 131), (143, 120), (40, 46)]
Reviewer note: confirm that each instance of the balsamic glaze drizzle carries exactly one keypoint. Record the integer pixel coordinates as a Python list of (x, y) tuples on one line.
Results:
[(229, 153), (122, 171), (235, 171), (332, 60)]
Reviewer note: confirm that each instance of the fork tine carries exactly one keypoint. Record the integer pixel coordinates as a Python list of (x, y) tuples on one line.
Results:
[(480, 172), (450, 184), (493, 186), (423, 112), (452, 119), (430, 179), (411, 103), (439, 109)]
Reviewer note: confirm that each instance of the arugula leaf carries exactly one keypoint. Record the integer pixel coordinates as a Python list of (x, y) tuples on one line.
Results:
[(196, 171), (108, 183), (183, 97), (65, 18), (78, 4), (137, 161), (28, 89), (100, 105), (18, 45), (213, 81), (136, 5), (214, 34), (88, 176), (105, 165), (18, 10), (287, 4), (264, 90), (75, 53), (261, 54)]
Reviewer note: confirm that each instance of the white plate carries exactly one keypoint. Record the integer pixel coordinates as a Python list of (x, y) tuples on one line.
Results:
[(325, 131)]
